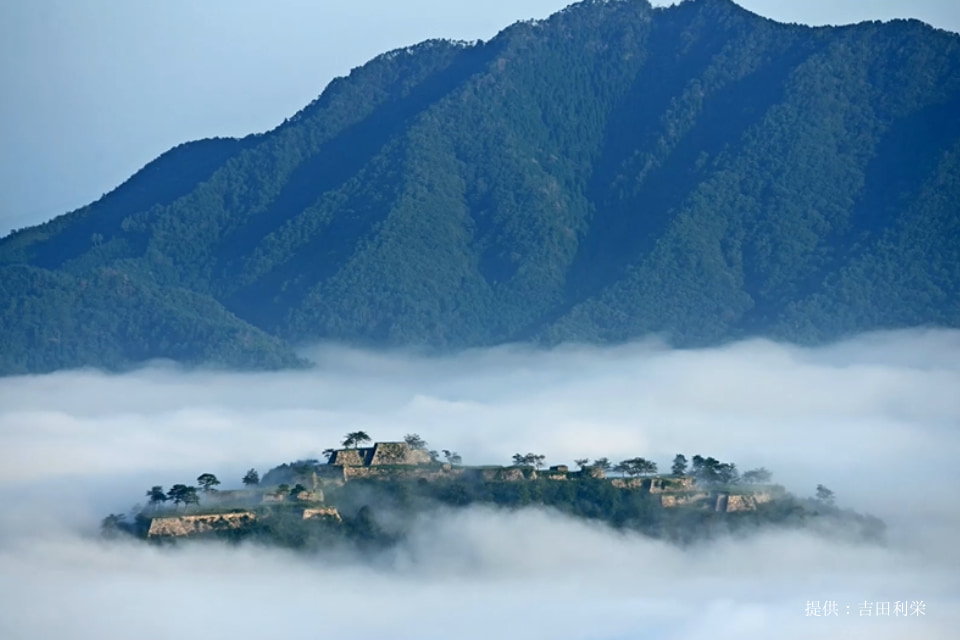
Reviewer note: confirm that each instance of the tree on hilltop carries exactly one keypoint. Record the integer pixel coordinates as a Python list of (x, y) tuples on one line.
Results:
[(824, 495), (114, 525), (251, 478), (706, 470), (355, 438), (581, 462), (712, 471), (679, 467), (182, 494), (175, 494), (759, 476), (603, 464), (528, 460), (697, 463), (156, 495), (414, 441), (727, 473), (636, 467), (190, 496), (207, 482)]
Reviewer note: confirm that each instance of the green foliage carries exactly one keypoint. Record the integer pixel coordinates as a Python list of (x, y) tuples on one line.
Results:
[(695, 171), (297, 490), (207, 482), (156, 496), (758, 476), (679, 466), (182, 494), (251, 478), (824, 495), (636, 467), (105, 318), (711, 472), (414, 441), (355, 439)]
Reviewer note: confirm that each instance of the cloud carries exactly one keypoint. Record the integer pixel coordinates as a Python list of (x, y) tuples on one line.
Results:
[(874, 418)]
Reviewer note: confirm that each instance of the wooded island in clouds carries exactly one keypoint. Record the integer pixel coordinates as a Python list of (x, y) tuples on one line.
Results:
[(372, 497)]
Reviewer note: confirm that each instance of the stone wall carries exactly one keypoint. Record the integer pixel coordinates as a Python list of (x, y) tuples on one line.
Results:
[(747, 502), (655, 485), (304, 473), (664, 485), (381, 453), (679, 499), (330, 472), (400, 472), (398, 453), (588, 472), (310, 496), (190, 525), (322, 512), (514, 474), (721, 502), (349, 457)]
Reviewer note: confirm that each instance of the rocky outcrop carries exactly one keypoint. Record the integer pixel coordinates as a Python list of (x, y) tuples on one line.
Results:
[(191, 525)]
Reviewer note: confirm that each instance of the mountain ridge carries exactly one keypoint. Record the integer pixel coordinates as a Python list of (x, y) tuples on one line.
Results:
[(613, 170)]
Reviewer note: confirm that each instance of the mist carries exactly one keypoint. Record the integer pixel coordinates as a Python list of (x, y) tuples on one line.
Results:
[(875, 418)]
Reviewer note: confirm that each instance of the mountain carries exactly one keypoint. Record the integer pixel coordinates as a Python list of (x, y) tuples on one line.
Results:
[(614, 170)]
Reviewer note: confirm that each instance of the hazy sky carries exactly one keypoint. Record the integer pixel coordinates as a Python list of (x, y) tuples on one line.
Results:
[(93, 90), (875, 419)]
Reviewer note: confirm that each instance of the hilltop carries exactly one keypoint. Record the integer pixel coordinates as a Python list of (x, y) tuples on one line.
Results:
[(615, 170), (371, 496)]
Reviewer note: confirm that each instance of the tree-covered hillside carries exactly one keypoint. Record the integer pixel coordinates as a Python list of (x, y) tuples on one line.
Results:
[(615, 170)]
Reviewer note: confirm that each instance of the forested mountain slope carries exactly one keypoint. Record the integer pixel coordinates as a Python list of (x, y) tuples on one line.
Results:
[(615, 170)]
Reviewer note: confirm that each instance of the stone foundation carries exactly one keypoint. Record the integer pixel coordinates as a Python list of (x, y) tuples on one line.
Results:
[(190, 525)]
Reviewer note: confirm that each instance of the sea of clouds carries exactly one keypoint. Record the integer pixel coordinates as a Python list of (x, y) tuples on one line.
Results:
[(875, 418)]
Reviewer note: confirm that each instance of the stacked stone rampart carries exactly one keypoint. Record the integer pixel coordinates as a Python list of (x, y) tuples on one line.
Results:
[(190, 525), (322, 512)]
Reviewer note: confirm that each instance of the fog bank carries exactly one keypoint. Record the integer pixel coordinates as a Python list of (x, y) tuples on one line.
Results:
[(874, 418)]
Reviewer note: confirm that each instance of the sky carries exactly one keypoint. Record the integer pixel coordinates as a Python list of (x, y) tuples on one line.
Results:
[(874, 418), (94, 90)]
